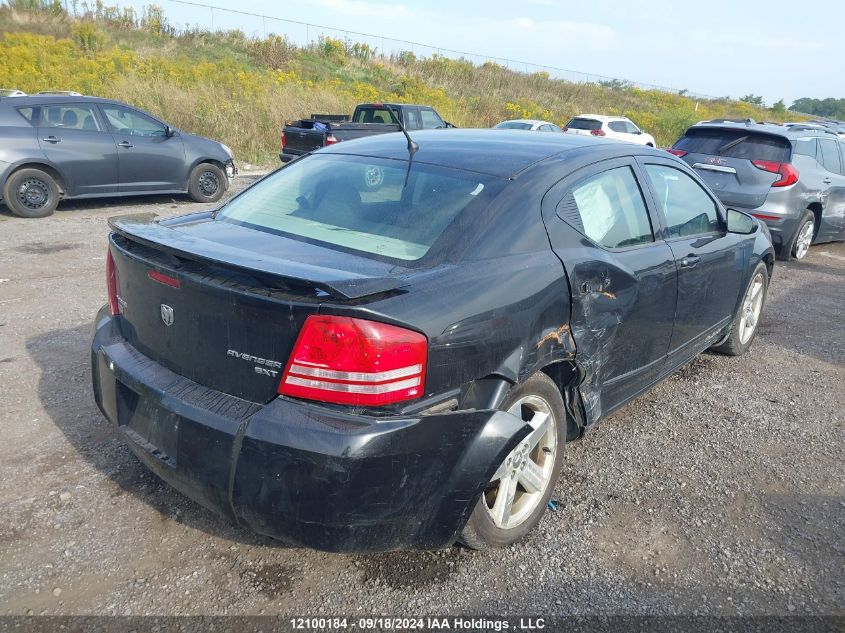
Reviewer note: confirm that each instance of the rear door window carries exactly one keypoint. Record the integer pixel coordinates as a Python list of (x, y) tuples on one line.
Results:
[(830, 155), (412, 119), (579, 123), (685, 205), (367, 205), (73, 116), (806, 147), (733, 143), (609, 209)]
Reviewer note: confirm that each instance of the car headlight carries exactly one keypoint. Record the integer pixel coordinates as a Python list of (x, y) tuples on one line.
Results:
[(228, 150)]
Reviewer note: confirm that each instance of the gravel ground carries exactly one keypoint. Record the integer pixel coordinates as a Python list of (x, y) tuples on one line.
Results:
[(719, 492)]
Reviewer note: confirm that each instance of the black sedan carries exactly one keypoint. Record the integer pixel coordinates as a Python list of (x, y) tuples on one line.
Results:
[(374, 348)]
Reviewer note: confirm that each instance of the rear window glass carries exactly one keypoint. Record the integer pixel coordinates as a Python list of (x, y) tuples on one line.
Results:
[(363, 204), (373, 115), (513, 125), (28, 113), (584, 124), (735, 144)]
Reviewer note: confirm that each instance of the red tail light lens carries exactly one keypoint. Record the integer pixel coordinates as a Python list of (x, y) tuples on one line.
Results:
[(331, 139), (111, 284), (788, 174), (355, 361), (597, 132), (283, 140), (677, 152), (161, 278)]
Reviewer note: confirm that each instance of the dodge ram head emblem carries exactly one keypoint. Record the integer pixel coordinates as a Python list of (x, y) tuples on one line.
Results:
[(167, 314)]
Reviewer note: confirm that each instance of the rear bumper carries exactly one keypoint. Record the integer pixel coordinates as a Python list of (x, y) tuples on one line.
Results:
[(290, 154), (304, 474)]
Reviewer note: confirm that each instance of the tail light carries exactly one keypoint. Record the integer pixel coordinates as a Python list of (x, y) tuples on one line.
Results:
[(677, 152), (788, 174), (566, 129), (345, 360), (111, 284), (283, 140), (597, 132), (331, 139)]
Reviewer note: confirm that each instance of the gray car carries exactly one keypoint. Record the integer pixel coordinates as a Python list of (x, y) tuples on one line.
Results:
[(55, 147), (791, 177)]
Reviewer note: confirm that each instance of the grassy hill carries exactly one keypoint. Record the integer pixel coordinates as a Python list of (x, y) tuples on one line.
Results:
[(239, 90)]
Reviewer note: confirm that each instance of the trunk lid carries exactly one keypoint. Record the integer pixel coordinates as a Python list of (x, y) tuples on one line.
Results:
[(723, 157), (218, 304)]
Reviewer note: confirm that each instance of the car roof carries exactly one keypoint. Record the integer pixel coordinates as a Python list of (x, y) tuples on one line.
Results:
[(531, 121), (601, 117), (58, 99), (500, 153), (792, 131)]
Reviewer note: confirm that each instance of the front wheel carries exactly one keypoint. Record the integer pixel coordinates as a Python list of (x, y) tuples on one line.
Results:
[(747, 317), (515, 499), (207, 183)]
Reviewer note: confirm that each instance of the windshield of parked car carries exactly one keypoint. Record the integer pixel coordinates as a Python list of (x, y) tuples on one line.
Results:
[(370, 205), (513, 125), (735, 143), (583, 124)]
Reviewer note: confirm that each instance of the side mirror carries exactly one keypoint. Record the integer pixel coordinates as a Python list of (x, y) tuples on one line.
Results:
[(169, 131), (741, 223)]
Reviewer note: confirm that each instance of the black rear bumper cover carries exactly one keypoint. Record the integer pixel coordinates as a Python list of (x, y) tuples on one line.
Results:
[(304, 474)]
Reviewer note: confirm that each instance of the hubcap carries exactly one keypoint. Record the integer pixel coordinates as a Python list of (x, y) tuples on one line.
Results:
[(751, 306), (208, 183), (520, 482), (804, 239), (33, 193)]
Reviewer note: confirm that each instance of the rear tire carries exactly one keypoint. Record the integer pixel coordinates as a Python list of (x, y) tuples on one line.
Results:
[(207, 183), (799, 244), (745, 323), (31, 193), (530, 471)]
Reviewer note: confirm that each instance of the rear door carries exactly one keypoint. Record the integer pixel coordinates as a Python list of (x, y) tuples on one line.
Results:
[(711, 262), (73, 138), (620, 131), (622, 278), (832, 225), (148, 159), (724, 159)]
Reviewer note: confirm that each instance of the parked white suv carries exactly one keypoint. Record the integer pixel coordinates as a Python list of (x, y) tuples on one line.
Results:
[(619, 128)]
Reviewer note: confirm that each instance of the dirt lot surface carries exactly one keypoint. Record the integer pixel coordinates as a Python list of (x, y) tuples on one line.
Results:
[(722, 491)]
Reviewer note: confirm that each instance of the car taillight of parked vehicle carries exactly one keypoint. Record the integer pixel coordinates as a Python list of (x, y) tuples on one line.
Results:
[(331, 139), (597, 132), (345, 360), (111, 284), (283, 140), (677, 152), (788, 174)]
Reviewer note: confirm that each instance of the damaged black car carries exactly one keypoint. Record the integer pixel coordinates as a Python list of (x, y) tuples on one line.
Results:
[(387, 345)]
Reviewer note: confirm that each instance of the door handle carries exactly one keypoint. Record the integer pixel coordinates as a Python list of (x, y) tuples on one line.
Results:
[(52, 139), (690, 261), (827, 181), (125, 144)]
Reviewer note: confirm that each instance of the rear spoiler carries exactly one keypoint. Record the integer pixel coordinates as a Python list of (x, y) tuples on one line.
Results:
[(146, 230)]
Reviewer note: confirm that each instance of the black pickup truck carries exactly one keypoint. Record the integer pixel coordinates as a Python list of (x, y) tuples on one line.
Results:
[(306, 135)]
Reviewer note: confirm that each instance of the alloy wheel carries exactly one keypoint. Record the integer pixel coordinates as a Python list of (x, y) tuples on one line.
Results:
[(752, 304), (804, 239), (519, 484)]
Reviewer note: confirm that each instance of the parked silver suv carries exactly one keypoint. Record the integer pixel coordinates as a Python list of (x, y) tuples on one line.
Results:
[(792, 178), (54, 147)]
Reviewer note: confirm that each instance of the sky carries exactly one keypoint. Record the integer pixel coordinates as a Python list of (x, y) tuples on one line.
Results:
[(776, 49)]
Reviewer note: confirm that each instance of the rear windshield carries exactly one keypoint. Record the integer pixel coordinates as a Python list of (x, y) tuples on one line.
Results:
[(735, 144), (584, 124), (513, 125), (373, 114), (362, 204)]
